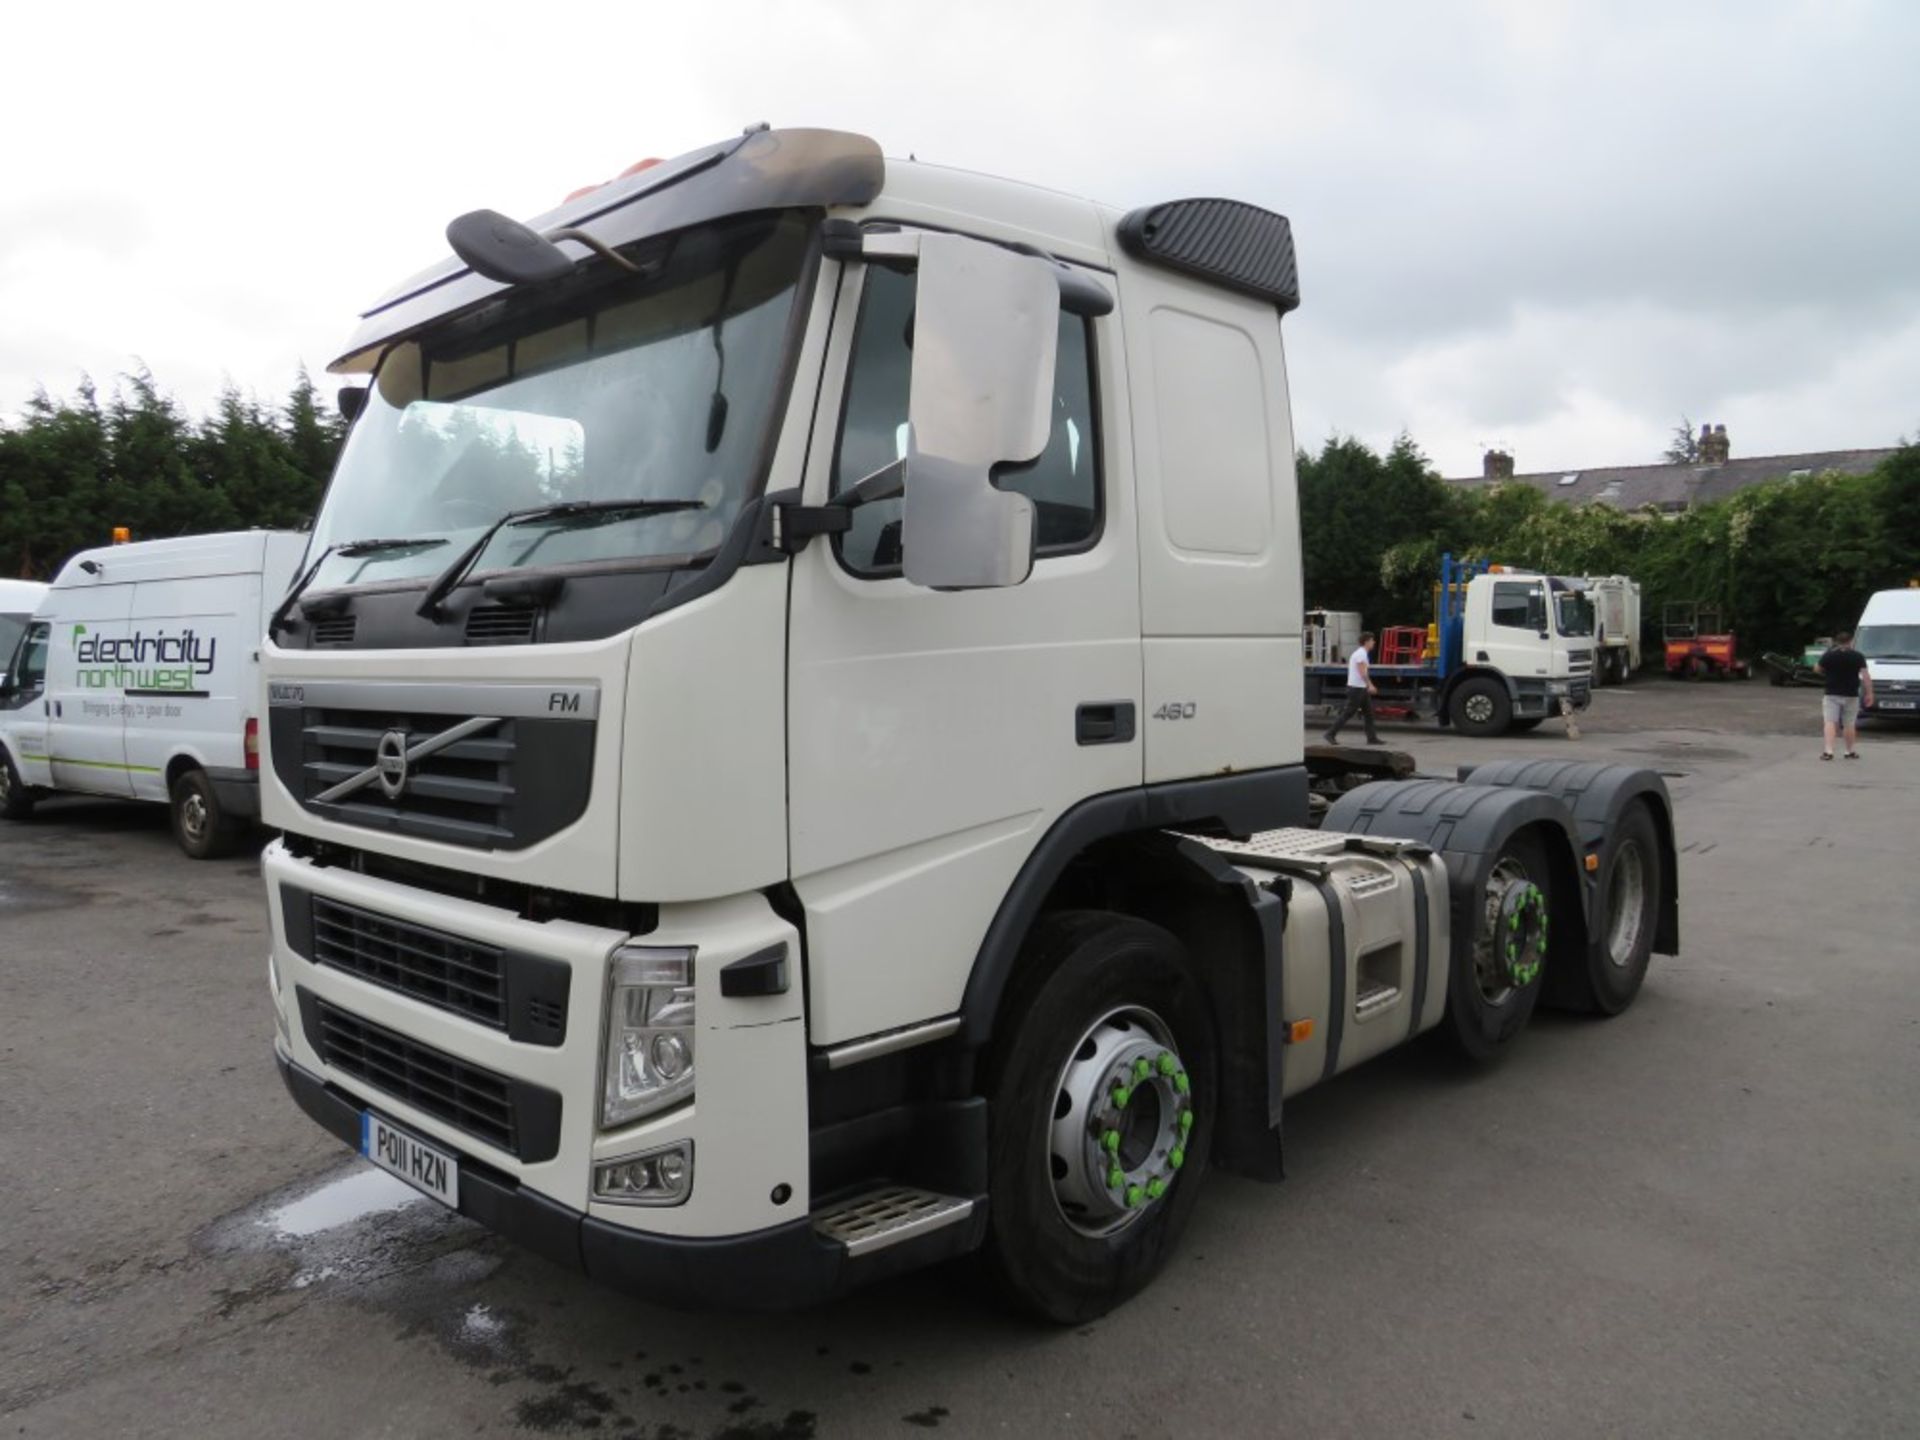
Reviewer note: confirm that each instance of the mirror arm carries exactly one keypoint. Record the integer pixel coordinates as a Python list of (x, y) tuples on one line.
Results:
[(795, 525)]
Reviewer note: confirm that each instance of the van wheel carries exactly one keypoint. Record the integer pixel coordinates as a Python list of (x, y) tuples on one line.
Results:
[(16, 800), (1103, 1090), (204, 830), (1495, 984), (1481, 706)]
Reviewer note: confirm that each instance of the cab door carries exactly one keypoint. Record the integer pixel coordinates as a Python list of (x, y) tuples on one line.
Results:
[(1516, 640), (86, 680), (934, 736), (24, 707)]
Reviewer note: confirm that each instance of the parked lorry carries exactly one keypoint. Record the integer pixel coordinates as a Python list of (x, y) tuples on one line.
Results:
[(1889, 636), (1616, 629), (1508, 649), (836, 800), (139, 679)]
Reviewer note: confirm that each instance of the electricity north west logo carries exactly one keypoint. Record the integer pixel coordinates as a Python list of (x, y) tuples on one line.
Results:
[(141, 661)]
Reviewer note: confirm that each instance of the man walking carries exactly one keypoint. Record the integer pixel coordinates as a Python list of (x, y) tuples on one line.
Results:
[(1360, 691), (1845, 669)]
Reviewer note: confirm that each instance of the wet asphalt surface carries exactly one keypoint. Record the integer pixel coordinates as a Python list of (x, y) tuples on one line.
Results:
[(1698, 1219)]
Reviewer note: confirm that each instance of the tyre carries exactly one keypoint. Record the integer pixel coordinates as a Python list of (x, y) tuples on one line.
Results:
[(16, 800), (1629, 895), (1104, 1090), (1494, 984), (1481, 706), (204, 830)]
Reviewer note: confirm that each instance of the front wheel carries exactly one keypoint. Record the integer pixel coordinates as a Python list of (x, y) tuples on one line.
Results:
[(205, 831), (1496, 978), (16, 800), (1104, 1091), (1481, 706)]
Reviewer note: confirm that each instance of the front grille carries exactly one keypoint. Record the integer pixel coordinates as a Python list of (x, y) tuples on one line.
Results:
[(500, 625), (510, 1115), (1580, 662), (333, 630), (506, 782), (459, 793), (440, 969)]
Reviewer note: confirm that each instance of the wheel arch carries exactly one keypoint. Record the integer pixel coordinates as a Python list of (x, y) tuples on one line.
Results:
[(1598, 796), (178, 764), (1468, 823), (1114, 853)]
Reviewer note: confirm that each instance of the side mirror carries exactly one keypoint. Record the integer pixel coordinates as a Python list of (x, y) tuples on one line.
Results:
[(986, 325)]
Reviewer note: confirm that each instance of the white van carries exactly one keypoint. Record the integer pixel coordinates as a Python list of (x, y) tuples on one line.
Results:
[(1889, 636), (18, 600), (139, 676)]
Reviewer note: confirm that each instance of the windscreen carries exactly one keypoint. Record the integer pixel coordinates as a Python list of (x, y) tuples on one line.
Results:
[(12, 627), (662, 387), (1573, 612), (1888, 642)]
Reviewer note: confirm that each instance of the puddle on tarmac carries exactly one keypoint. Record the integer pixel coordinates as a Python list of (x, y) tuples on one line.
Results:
[(354, 1226), (353, 1196)]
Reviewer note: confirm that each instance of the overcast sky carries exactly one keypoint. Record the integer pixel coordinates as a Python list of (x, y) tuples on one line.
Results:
[(1549, 227)]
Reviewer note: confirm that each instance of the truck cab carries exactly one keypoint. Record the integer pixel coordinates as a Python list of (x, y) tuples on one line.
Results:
[(1527, 639), (748, 728)]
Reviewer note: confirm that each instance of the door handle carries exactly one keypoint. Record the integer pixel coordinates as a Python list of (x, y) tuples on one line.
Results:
[(1108, 722)]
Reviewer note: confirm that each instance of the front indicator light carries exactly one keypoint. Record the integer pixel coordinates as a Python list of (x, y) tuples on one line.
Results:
[(659, 1177), (648, 1063)]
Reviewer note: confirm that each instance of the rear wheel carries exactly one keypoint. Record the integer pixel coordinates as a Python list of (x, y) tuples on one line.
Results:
[(1495, 984), (205, 831), (1103, 1091), (1481, 706), (1631, 892), (16, 800)]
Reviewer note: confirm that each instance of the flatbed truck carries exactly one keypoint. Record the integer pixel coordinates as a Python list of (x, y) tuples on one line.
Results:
[(780, 744), (1510, 649)]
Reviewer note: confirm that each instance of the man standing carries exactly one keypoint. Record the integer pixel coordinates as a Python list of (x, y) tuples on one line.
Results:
[(1845, 669), (1360, 691)]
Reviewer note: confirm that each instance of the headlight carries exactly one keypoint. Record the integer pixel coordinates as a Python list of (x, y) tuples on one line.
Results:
[(649, 1058)]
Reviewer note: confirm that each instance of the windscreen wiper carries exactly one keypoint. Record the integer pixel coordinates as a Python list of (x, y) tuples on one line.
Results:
[(444, 582), (351, 549)]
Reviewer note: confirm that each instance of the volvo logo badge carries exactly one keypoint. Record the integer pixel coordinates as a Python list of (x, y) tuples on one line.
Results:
[(390, 763)]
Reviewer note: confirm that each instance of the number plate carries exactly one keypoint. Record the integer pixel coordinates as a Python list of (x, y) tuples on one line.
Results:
[(1896, 704), (423, 1166)]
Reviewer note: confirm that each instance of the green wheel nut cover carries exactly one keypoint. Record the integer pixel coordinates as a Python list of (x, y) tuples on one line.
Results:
[(1121, 1096), (1176, 1157), (1134, 1196), (1181, 1083), (1111, 1140), (1141, 1069), (1186, 1121), (1156, 1188), (1167, 1063), (1116, 1177)]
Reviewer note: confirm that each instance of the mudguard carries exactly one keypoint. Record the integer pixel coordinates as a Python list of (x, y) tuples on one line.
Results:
[(1468, 824), (1596, 794)]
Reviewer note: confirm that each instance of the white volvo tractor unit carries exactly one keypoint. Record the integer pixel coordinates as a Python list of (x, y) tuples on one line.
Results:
[(788, 738)]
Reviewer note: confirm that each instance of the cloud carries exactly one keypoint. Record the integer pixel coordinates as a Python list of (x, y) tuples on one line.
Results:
[(1549, 224)]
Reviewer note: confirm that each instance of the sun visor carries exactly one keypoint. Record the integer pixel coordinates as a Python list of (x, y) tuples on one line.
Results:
[(762, 170)]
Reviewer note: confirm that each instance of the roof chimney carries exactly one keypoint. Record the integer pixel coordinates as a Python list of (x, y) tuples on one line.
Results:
[(1714, 446), (1496, 465)]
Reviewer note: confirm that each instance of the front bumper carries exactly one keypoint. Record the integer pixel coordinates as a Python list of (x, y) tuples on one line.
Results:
[(782, 1267), (238, 792)]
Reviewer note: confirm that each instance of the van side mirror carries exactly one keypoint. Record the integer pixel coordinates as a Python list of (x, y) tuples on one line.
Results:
[(986, 325)]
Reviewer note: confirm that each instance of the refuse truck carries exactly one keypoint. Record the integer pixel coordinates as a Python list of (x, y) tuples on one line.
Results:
[(783, 742)]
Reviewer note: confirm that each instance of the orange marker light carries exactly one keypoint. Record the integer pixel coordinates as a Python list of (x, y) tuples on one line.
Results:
[(638, 166), (121, 534), (1299, 1032), (1593, 863)]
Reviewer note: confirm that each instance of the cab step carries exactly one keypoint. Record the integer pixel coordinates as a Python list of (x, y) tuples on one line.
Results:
[(875, 1219)]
